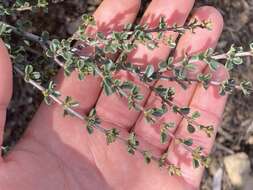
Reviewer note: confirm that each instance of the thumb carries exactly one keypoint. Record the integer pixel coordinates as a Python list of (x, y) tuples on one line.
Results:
[(5, 86)]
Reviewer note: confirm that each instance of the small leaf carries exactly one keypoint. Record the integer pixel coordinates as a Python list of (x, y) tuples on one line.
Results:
[(246, 87), (45, 36), (166, 65), (204, 79), (195, 115), (165, 93), (107, 86), (111, 135), (188, 142), (162, 23), (162, 159), (205, 161), (184, 111), (174, 170), (90, 129), (237, 61), (213, 64), (171, 43), (91, 121), (209, 129), (191, 128), (251, 47), (163, 137), (149, 71), (132, 143), (195, 163), (147, 156), (88, 20)]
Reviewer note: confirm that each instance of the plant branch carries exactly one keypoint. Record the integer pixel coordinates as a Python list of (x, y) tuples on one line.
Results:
[(83, 117)]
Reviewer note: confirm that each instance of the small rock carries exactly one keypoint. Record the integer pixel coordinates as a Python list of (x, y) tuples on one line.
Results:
[(249, 184), (238, 168), (250, 140), (217, 179)]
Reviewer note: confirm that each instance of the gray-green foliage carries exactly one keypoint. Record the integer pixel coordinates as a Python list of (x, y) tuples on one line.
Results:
[(99, 64)]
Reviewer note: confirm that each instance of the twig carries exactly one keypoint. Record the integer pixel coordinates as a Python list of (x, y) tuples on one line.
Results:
[(81, 117)]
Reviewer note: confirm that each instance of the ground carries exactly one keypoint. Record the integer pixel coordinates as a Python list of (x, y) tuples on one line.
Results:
[(237, 125)]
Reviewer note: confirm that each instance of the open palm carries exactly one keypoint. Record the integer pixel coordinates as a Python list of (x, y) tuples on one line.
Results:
[(56, 153)]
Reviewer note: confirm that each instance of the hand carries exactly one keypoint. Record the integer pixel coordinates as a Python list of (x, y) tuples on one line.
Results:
[(56, 153)]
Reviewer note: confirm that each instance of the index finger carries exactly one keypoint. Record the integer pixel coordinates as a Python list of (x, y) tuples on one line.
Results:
[(110, 16)]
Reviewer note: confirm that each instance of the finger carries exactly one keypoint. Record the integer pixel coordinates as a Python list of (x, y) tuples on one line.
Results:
[(111, 15), (5, 86), (114, 108), (191, 44), (211, 106)]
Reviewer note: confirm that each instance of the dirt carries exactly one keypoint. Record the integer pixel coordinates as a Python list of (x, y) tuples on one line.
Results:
[(237, 125)]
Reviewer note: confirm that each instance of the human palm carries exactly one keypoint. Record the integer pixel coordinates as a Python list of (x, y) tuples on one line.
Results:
[(57, 153)]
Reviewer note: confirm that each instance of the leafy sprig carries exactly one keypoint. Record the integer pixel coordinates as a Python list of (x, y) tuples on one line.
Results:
[(99, 64)]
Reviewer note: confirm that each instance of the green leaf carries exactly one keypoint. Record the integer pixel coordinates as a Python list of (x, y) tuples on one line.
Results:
[(42, 3), (132, 143), (205, 161), (237, 61), (163, 137), (162, 23), (213, 64), (127, 85), (90, 129), (199, 57), (184, 111), (191, 128), (251, 47), (171, 43), (54, 45), (204, 79), (88, 20), (162, 159), (3, 28), (91, 121), (227, 87), (158, 112), (128, 26), (28, 69), (35, 75), (190, 67), (149, 71), (50, 91), (107, 86), (45, 36), (195, 163), (166, 65), (165, 131), (147, 156), (69, 103), (31, 74), (111, 135), (174, 170), (232, 58), (247, 87), (195, 115), (165, 93), (209, 129), (180, 73), (187, 142)]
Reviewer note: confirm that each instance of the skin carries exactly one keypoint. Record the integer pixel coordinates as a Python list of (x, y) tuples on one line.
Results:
[(57, 153)]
